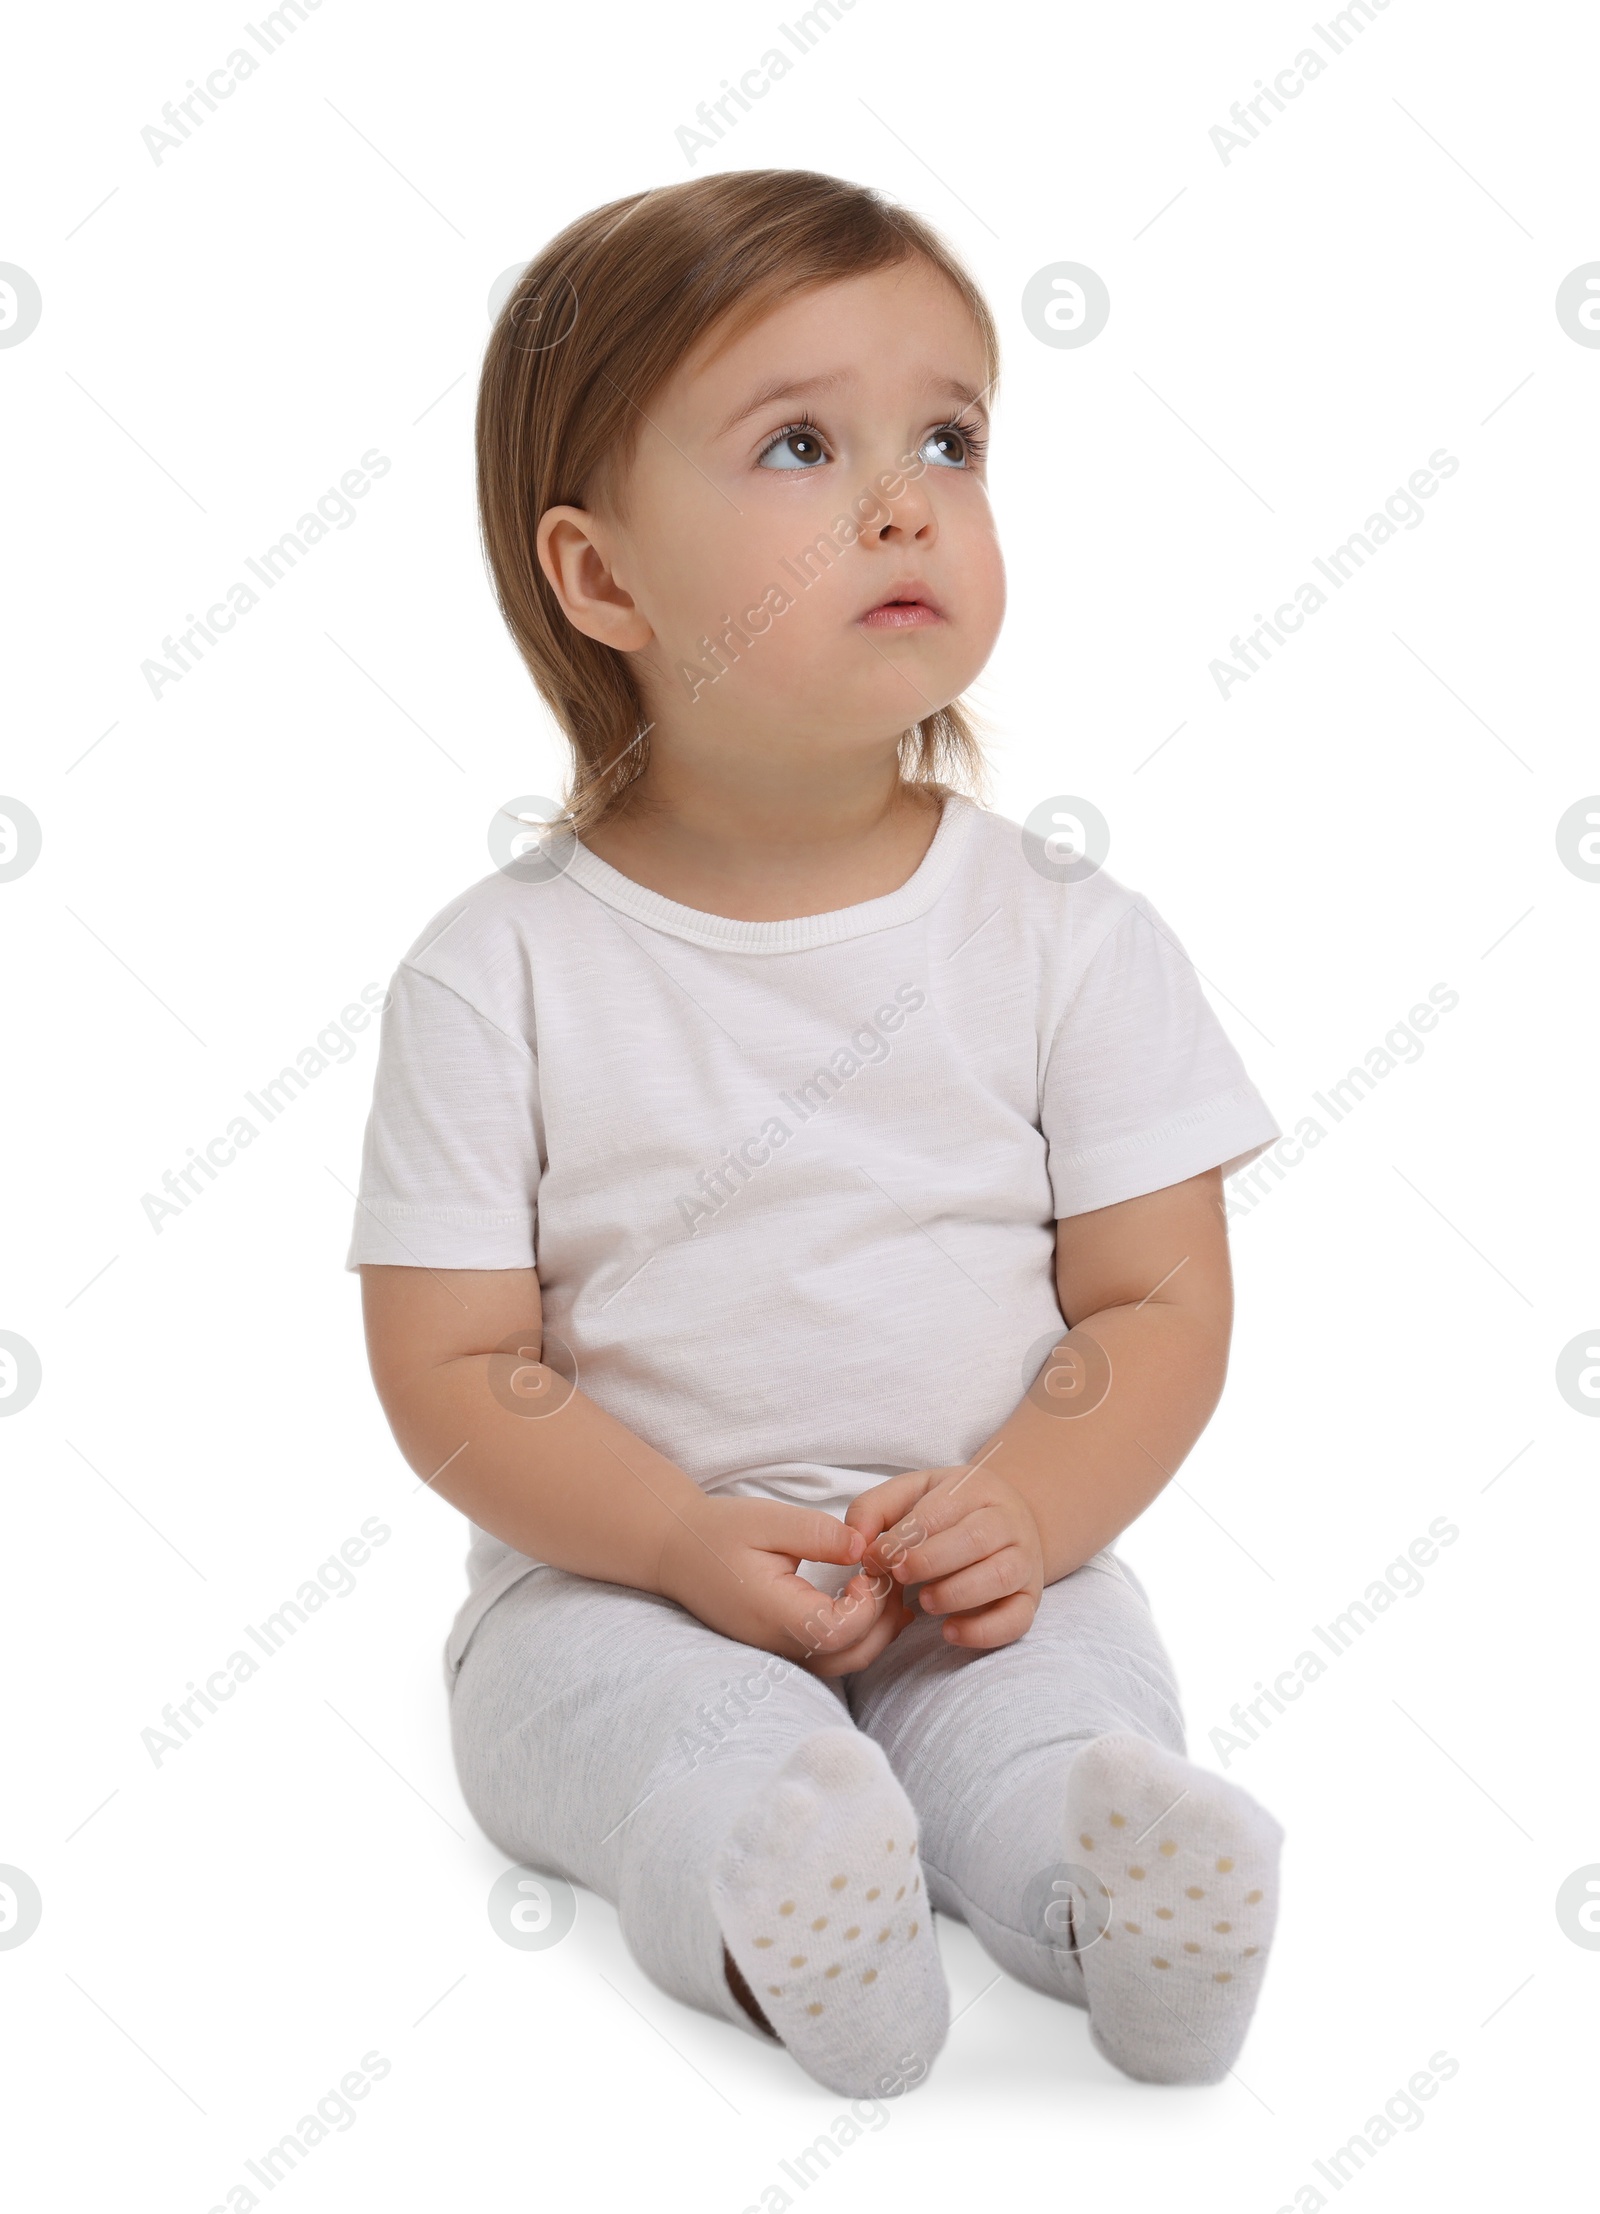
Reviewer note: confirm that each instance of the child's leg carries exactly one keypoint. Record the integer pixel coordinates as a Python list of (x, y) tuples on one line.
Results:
[(720, 1797), (1063, 1752)]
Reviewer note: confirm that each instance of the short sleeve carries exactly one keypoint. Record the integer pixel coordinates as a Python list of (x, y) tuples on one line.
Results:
[(451, 1159), (1142, 1087)]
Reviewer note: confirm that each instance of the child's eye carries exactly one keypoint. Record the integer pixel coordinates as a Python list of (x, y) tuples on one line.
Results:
[(954, 446), (799, 446)]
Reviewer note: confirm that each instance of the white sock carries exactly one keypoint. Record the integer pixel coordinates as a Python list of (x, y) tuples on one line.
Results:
[(1190, 1863), (819, 1892)]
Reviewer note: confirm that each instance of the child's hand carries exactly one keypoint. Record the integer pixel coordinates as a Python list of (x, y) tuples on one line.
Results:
[(968, 1537), (732, 1562), (877, 1608)]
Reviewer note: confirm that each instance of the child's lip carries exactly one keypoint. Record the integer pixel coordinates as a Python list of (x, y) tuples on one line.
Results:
[(909, 609)]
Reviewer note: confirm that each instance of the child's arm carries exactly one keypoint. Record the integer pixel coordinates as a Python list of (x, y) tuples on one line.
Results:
[(580, 1490), (1149, 1282)]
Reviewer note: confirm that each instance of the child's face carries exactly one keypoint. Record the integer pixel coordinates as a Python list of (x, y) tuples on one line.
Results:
[(722, 515)]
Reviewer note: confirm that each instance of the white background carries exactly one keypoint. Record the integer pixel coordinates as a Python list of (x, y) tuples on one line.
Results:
[(1292, 333)]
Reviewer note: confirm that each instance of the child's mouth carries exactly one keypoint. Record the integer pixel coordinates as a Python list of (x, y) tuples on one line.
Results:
[(901, 614)]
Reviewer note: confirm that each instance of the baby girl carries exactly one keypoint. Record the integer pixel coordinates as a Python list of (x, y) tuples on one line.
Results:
[(791, 1222)]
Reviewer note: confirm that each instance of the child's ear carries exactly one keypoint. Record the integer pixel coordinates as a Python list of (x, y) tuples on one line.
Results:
[(572, 553)]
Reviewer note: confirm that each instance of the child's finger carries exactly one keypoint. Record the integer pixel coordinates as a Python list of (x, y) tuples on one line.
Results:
[(805, 1532), (815, 1623), (985, 1628), (895, 1617), (973, 1538), (858, 1606), (938, 1507), (995, 1577), (872, 1511)]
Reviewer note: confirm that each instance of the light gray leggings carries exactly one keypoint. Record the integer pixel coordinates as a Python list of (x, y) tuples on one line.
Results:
[(604, 1735)]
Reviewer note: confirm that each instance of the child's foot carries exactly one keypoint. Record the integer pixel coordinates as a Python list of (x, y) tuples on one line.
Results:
[(1191, 1864), (820, 1896)]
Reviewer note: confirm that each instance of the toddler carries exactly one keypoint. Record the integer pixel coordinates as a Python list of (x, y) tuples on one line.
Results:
[(790, 1223)]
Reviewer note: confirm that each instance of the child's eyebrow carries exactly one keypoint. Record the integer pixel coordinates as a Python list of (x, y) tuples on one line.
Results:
[(804, 388), (784, 388)]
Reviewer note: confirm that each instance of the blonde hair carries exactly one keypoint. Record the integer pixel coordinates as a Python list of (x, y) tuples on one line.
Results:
[(599, 320)]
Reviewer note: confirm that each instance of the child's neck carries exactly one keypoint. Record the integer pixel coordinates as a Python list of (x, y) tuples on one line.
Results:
[(761, 858)]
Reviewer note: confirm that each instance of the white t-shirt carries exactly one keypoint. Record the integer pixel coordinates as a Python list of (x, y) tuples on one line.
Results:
[(791, 1187)]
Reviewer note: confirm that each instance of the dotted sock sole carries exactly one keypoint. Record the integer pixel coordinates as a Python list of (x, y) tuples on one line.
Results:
[(1185, 1900), (819, 1893)]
